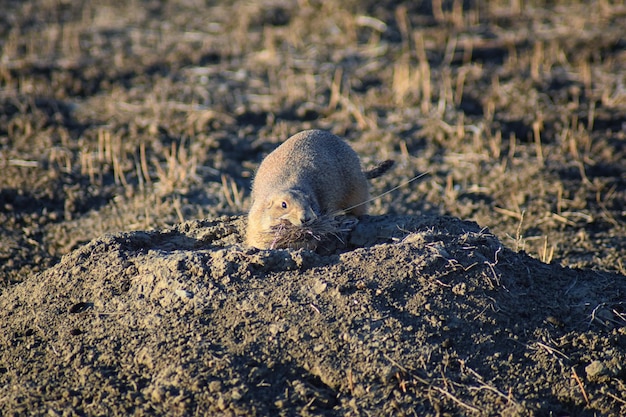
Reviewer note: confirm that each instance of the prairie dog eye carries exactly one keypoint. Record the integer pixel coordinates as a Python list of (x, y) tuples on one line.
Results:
[(283, 204)]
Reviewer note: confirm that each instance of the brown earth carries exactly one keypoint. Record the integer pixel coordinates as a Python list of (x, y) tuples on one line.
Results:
[(123, 124)]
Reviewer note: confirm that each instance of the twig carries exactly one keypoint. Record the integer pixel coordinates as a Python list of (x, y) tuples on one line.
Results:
[(350, 381), (593, 314), (307, 405), (456, 400), (518, 233), (425, 382), (580, 384), (401, 382), (23, 163), (616, 398), (420, 379), (488, 387), (552, 350), (509, 213), (491, 266), (618, 314)]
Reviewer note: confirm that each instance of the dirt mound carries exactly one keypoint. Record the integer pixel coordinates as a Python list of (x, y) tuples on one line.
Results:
[(415, 316)]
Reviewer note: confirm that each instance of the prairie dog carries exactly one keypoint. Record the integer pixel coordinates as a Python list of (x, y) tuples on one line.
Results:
[(312, 173)]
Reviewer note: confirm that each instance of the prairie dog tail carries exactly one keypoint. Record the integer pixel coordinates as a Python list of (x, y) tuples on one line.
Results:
[(379, 169)]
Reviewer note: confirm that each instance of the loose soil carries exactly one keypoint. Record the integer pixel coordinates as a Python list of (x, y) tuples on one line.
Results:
[(494, 285)]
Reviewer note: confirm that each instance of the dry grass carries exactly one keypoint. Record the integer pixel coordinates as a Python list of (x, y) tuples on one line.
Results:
[(324, 230)]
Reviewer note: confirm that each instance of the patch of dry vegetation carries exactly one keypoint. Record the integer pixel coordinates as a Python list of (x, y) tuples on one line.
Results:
[(326, 233)]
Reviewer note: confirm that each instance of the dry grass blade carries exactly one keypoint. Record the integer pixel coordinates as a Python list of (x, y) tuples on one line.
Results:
[(580, 385)]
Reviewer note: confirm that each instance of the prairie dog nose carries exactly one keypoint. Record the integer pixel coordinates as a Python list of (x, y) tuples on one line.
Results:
[(308, 216)]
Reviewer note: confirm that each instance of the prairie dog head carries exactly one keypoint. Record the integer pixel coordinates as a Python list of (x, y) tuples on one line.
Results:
[(292, 206)]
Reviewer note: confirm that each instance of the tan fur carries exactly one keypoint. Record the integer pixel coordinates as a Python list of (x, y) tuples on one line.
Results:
[(312, 173)]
